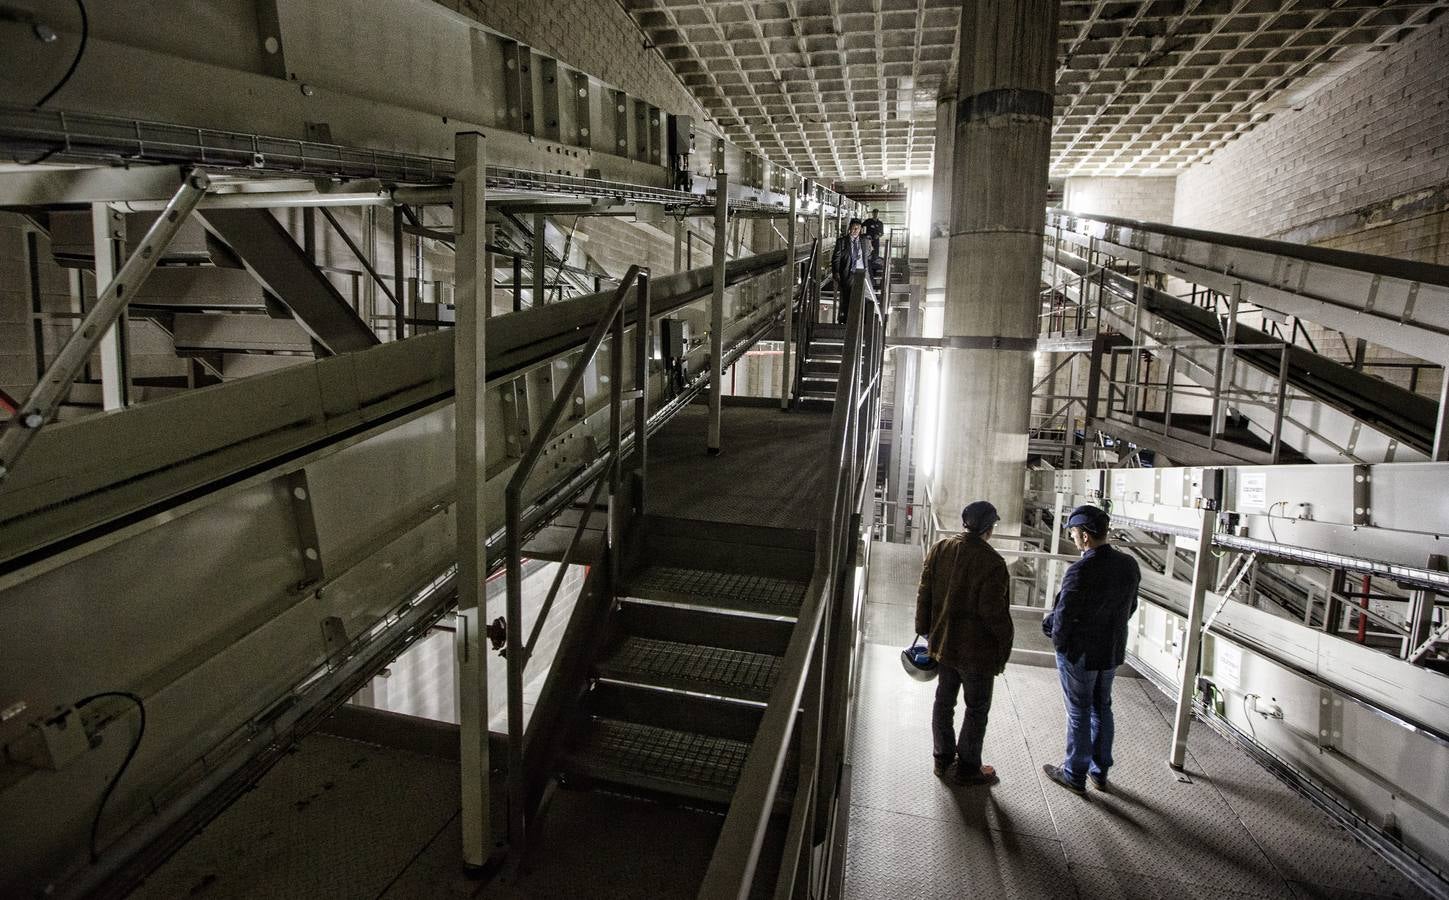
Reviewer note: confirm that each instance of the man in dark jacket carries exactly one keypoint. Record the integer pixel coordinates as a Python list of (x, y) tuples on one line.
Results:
[(850, 254), (1088, 626), (963, 606)]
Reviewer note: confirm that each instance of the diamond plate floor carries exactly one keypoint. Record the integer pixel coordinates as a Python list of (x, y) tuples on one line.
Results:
[(1234, 831)]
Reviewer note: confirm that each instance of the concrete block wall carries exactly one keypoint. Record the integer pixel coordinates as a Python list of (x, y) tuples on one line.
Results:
[(1373, 142), (1147, 199)]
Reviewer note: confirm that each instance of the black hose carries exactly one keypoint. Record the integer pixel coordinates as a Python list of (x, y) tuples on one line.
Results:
[(79, 52), (130, 754)]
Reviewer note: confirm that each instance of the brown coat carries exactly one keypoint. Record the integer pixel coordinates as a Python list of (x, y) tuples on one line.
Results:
[(964, 607)]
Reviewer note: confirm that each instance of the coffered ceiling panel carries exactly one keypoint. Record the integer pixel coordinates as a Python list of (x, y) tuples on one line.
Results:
[(847, 88)]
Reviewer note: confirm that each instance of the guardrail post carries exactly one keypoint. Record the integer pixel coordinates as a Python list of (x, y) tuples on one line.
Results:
[(1192, 642), (716, 313), (643, 353), (792, 276), (474, 289), (1277, 446), (108, 228), (540, 267)]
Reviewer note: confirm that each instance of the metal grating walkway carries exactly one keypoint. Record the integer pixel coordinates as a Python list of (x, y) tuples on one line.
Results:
[(647, 756), (724, 590), (694, 667), (1232, 831)]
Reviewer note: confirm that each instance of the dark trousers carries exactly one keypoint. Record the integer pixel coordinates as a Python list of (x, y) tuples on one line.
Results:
[(1088, 693), (976, 693), (842, 301)]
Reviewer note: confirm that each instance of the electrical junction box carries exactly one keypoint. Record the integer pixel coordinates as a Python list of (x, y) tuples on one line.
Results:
[(53, 742)]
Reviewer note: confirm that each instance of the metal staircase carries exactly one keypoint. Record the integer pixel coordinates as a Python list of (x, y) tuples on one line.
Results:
[(692, 655)]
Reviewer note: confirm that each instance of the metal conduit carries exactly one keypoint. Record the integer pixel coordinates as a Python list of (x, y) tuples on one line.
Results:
[(1419, 577)]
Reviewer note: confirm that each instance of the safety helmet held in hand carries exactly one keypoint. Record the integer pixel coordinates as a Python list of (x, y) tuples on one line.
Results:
[(916, 660)]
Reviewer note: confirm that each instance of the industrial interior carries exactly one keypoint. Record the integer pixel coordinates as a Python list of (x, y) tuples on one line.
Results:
[(439, 457)]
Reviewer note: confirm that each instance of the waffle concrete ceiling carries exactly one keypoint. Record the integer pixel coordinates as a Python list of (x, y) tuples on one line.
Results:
[(847, 88)]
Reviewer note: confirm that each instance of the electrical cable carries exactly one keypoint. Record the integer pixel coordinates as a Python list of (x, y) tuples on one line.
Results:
[(1284, 504), (79, 52), (125, 763), (1248, 717)]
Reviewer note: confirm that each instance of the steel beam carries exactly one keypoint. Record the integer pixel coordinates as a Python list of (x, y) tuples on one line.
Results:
[(1192, 641), (274, 258), (40, 407), (474, 300)]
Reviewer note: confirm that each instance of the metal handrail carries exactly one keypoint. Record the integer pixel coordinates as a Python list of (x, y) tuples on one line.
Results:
[(732, 867), (809, 301), (517, 651)]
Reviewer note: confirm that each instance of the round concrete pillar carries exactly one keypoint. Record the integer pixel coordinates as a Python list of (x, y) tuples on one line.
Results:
[(1003, 119)]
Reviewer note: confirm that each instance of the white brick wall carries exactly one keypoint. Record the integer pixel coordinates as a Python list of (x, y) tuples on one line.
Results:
[(1378, 133), (1147, 199)]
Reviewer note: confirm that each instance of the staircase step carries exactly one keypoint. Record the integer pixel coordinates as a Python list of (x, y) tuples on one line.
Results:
[(717, 671), (661, 760), (759, 594)]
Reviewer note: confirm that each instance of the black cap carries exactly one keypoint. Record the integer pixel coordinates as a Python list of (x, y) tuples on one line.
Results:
[(979, 515), (1091, 519)]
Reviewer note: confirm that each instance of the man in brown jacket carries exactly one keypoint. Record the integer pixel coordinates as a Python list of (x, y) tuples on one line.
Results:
[(964, 608)]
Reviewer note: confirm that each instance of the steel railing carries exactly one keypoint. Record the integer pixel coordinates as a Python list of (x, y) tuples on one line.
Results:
[(854, 437), (611, 325)]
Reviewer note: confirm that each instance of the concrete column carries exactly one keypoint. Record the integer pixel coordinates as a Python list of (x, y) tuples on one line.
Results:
[(998, 209), (940, 232)]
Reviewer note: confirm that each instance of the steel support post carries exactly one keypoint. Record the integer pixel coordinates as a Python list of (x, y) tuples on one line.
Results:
[(679, 228), (1202, 576), (1441, 427), (716, 313), (473, 296), (791, 273), (1054, 570), (108, 229), (399, 288), (50, 391), (903, 422), (540, 268), (1227, 363)]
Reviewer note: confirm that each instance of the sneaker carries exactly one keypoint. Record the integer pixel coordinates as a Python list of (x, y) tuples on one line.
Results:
[(943, 764), (984, 775), (1056, 774), (1099, 782)]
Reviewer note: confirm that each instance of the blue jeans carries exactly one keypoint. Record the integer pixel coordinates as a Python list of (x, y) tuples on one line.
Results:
[(976, 692), (1088, 693)]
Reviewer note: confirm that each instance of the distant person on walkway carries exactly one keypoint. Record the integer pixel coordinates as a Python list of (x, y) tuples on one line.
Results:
[(874, 229), (1088, 626), (963, 607), (850, 254)]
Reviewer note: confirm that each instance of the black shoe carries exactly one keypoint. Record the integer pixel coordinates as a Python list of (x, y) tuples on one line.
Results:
[(983, 775), (1060, 777), (1099, 782), (943, 765)]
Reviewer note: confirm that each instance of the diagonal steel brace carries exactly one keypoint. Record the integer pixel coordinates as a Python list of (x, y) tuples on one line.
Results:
[(47, 395)]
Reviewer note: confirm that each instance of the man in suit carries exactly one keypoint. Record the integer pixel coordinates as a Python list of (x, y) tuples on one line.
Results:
[(851, 254), (963, 606), (1088, 627)]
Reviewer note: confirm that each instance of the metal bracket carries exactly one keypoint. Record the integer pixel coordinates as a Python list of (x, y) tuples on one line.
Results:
[(1330, 719), (518, 85), (1362, 496), (334, 638), (300, 494), (548, 77), (583, 111)]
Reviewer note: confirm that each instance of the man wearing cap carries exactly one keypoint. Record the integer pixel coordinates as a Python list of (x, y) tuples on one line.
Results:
[(848, 257), (963, 607), (1088, 626)]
